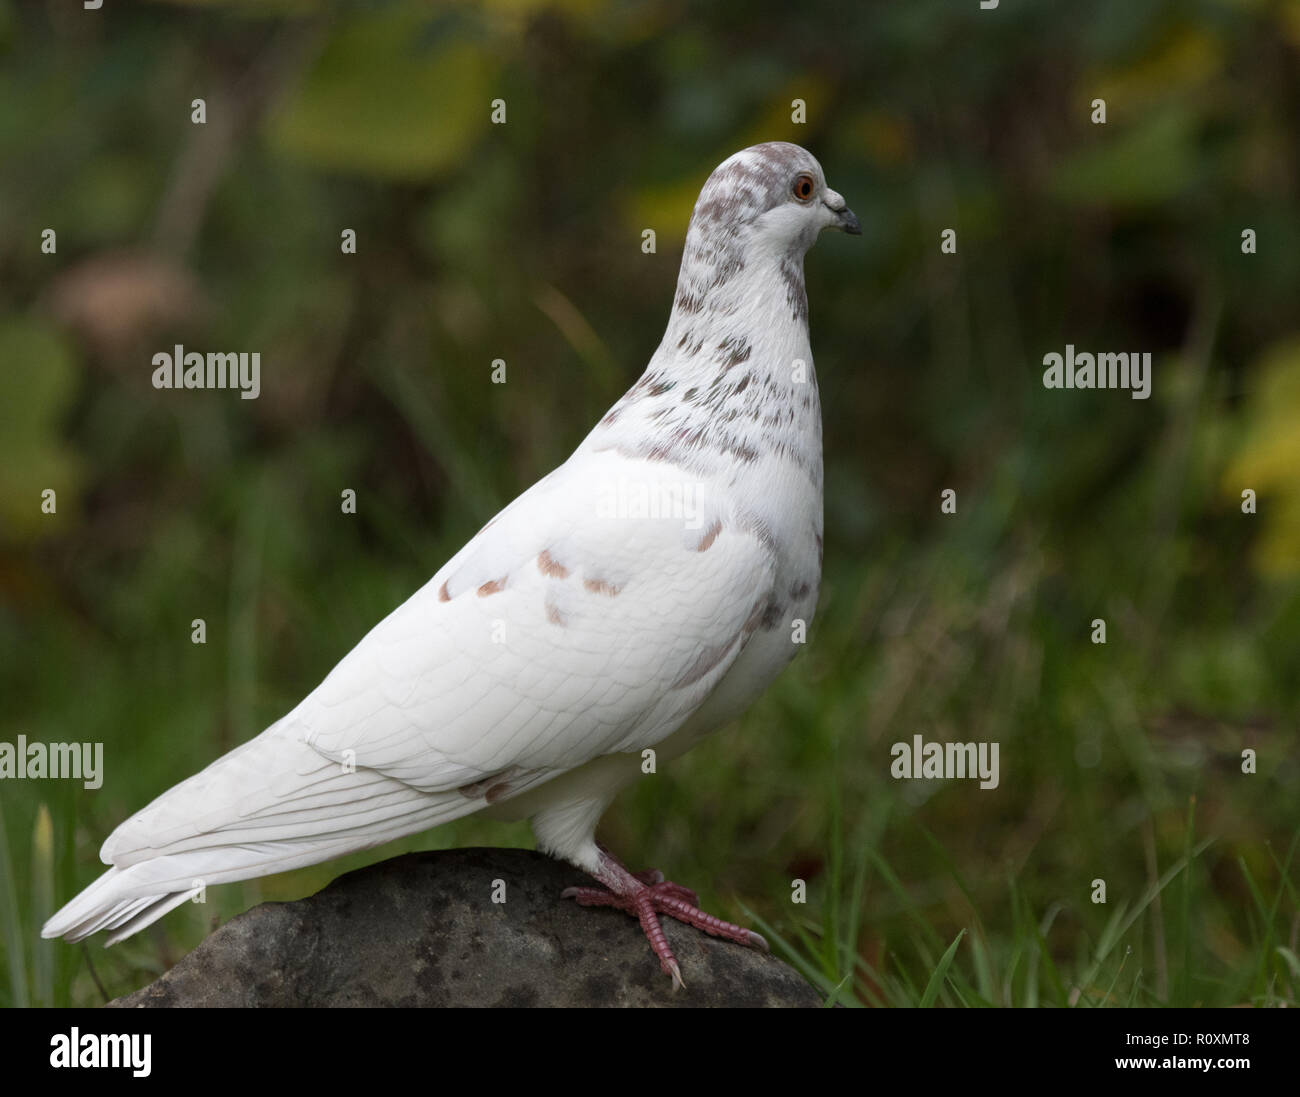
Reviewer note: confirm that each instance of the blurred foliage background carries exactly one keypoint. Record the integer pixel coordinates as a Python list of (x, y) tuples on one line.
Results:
[(522, 242)]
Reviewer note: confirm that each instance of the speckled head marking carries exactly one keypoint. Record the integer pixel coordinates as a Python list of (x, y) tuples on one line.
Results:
[(754, 199), (725, 387), (748, 184)]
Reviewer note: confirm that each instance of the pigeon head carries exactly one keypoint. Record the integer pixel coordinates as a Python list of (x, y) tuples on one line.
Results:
[(732, 380), (772, 195), (758, 213)]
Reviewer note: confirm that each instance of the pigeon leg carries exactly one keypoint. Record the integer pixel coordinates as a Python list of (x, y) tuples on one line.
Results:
[(646, 895)]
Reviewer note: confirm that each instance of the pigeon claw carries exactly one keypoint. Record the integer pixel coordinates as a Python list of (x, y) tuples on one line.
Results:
[(647, 895)]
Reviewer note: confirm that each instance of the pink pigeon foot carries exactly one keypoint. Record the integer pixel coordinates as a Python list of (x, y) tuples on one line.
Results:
[(646, 895)]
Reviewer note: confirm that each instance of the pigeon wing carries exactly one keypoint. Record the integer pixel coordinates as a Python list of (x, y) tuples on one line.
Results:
[(574, 624)]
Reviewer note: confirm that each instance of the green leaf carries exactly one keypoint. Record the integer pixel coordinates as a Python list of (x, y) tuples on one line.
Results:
[(383, 100)]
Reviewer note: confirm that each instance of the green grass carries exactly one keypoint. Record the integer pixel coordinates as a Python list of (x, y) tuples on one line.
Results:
[(1014, 965), (1021, 961)]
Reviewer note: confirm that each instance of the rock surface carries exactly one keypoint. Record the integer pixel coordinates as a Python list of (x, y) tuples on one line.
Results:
[(422, 930)]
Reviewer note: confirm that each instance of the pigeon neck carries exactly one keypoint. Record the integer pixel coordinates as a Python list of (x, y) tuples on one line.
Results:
[(730, 287), (732, 382)]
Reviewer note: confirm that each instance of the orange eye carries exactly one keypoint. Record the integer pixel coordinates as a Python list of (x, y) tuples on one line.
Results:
[(804, 186)]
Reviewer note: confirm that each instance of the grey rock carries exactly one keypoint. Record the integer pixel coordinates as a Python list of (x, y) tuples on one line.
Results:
[(422, 930)]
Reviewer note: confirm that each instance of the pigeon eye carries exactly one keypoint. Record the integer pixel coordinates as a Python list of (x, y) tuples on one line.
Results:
[(803, 187)]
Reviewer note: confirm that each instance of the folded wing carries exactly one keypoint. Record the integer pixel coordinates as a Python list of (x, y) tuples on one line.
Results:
[(592, 615)]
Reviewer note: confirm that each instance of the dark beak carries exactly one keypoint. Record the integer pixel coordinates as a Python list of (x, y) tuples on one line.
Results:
[(849, 222)]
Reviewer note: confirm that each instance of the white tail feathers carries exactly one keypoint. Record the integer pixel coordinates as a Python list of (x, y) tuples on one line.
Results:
[(270, 805), (103, 906)]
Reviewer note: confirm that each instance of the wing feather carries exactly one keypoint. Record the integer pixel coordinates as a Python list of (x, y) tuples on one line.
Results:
[(564, 630)]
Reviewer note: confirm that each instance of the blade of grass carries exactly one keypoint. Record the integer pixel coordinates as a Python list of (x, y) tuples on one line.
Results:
[(1118, 925), (1292, 960), (1264, 941), (1049, 965), (941, 970), (839, 988), (1182, 986), (908, 992), (42, 906), (831, 943), (905, 900), (1115, 978), (1284, 872), (12, 924), (1133, 990), (796, 959)]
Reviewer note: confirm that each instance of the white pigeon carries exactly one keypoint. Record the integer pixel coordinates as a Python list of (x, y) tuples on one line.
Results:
[(640, 596)]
